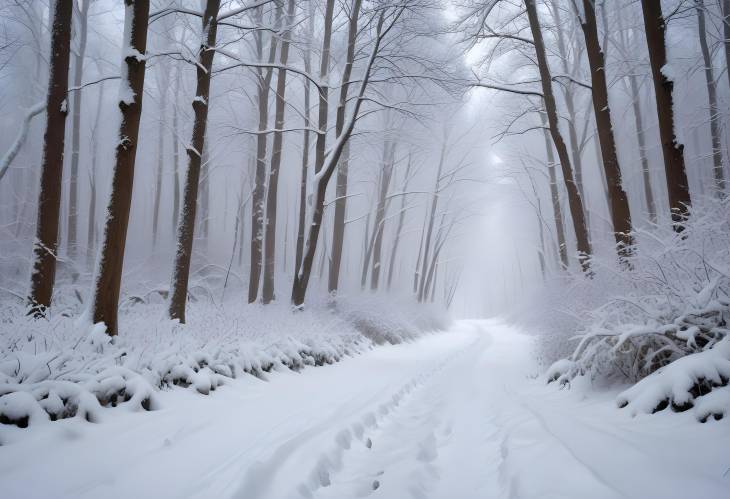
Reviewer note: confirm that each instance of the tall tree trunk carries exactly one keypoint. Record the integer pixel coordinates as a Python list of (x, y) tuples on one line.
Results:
[(160, 150), (322, 178), (186, 229), (385, 176), (205, 191), (401, 220), (276, 150), (91, 229), (718, 173), (73, 210), (555, 196), (620, 211), (258, 195), (676, 174), (324, 69), (49, 199), (429, 227), (176, 150), (574, 199), (109, 271), (338, 229)]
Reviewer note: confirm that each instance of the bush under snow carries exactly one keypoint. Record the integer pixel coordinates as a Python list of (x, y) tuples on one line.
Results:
[(61, 367), (666, 315)]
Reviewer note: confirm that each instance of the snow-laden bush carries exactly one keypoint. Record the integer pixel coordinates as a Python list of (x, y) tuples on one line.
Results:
[(627, 323), (63, 367)]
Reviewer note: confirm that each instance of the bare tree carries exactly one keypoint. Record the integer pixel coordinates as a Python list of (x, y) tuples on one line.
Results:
[(186, 228), (45, 247), (676, 174), (109, 267)]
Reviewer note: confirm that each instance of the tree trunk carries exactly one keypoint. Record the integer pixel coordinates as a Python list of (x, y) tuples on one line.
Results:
[(91, 229), (160, 151), (49, 199), (429, 227), (385, 176), (555, 196), (186, 229), (109, 271), (175, 151), (323, 107), (677, 186), (401, 220), (276, 150), (574, 200), (726, 35), (301, 277), (718, 173), (641, 140), (257, 197), (338, 229), (73, 210), (620, 211)]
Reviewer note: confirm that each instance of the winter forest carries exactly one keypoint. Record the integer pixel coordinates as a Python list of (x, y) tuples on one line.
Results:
[(273, 249)]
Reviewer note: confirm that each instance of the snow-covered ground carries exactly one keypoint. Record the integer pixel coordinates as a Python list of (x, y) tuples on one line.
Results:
[(460, 414)]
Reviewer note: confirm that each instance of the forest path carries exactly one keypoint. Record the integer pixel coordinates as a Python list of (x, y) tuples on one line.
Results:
[(453, 415)]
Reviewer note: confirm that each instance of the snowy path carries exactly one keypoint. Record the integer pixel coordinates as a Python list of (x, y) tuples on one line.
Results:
[(453, 415)]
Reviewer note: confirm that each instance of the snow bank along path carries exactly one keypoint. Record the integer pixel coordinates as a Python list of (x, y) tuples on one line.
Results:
[(458, 414)]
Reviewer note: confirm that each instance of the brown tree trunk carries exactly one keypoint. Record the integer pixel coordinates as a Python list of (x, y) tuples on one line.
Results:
[(715, 125), (73, 210), (323, 108), (574, 200), (175, 152), (49, 199), (186, 229), (109, 271), (555, 196), (276, 150), (338, 229), (257, 197), (726, 35), (677, 186), (301, 277), (620, 211)]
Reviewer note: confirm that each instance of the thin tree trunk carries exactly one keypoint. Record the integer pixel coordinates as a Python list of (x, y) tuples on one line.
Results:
[(429, 228), (160, 151), (726, 35), (175, 151), (301, 277), (259, 190), (401, 220), (338, 229), (718, 173), (186, 229), (73, 210), (641, 140), (91, 229), (555, 196), (323, 107), (676, 174), (268, 294), (109, 271), (45, 246), (574, 199), (385, 176), (620, 211)]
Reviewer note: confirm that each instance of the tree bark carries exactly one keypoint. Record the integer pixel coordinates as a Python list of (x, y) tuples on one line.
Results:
[(45, 247), (109, 271), (160, 151), (73, 210), (673, 151), (186, 229), (715, 125), (555, 196), (726, 35), (323, 108), (338, 229), (257, 197), (620, 211), (301, 277), (385, 176), (574, 199), (276, 150), (401, 220)]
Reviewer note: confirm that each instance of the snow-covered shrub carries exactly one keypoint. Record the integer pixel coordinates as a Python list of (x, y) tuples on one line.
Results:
[(62, 367), (627, 323)]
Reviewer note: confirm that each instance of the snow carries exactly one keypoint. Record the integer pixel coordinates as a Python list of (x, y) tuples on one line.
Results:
[(456, 414)]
